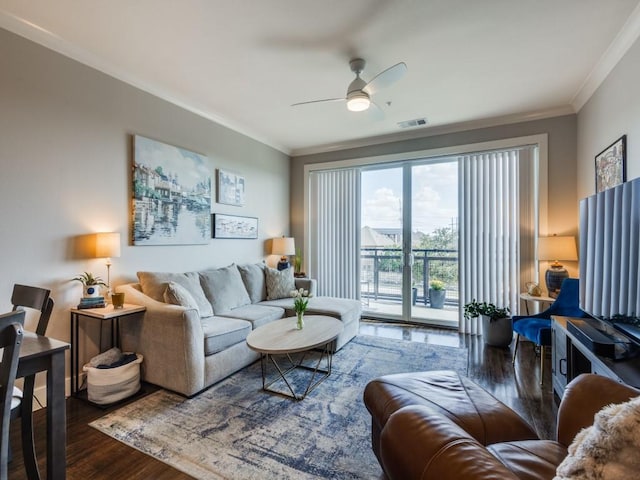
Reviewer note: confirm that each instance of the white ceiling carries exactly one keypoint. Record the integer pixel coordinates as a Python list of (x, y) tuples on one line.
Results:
[(243, 63)]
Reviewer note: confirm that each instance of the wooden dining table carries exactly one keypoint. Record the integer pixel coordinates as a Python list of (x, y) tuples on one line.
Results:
[(44, 354)]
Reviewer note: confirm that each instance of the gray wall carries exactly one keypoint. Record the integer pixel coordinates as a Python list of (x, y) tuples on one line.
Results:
[(65, 153), (612, 111), (561, 132)]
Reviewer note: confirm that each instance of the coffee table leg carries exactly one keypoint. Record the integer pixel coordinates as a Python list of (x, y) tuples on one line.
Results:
[(283, 376), (262, 368), (325, 353), (282, 373)]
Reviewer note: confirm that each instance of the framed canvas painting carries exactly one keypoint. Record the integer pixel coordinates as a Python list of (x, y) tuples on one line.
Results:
[(234, 226), (230, 188), (171, 195), (611, 165)]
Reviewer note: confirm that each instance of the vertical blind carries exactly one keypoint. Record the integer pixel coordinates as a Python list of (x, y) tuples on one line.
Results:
[(334, 243), (497, 228)]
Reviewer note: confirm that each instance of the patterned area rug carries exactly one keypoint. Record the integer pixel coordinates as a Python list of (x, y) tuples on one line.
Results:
[(234, 430)]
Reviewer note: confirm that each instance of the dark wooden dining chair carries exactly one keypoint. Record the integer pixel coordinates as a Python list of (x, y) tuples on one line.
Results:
[(10, 340), (35, 298)]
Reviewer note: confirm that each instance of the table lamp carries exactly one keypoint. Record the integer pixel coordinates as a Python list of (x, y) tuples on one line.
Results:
[(283, 246), (552, 249), (108, 246)]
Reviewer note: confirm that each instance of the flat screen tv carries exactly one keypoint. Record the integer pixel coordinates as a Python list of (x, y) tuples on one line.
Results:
[(610, 257)]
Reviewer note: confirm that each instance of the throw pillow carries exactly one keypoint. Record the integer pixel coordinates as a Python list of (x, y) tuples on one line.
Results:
[(608, 449), (176, 294), (280, 283), (154, 284), (254, 281), (224, 289)]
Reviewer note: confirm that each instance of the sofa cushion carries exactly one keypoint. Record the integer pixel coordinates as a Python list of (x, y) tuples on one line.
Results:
[(258, 315), (344, 309), (221, 333), (154, 284), (280, 283), (334, 307), (224, 289), (286, 303), (253, 277), (176, 294)]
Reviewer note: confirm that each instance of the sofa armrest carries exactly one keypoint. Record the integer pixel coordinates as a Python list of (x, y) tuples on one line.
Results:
[(585, 396), (419, 443), (170, 338), (308, 284)]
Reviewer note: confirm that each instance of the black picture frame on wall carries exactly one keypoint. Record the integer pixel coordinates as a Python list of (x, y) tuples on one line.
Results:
[(234, 226), (611, 165)]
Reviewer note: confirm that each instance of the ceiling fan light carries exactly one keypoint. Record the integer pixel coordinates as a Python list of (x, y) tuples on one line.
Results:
[(358, 102)]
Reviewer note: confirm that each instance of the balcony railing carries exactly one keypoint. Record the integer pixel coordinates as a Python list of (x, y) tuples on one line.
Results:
[(381, 274)]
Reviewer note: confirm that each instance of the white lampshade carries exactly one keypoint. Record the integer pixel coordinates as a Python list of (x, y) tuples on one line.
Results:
[(557, 248), (107, 245), (283, 246)]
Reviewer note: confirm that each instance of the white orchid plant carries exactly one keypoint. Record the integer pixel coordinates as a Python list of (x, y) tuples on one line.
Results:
[(300, 300)]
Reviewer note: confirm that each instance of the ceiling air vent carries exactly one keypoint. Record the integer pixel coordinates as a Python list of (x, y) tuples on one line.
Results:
[(418, 122)]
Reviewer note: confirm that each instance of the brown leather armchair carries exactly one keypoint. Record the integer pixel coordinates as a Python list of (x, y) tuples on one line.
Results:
[(440, 425)]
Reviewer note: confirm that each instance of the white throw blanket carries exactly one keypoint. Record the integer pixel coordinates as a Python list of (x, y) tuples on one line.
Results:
[(608, 450)]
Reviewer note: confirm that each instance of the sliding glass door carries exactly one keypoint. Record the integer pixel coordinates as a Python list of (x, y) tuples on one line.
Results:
[(415, 239), (381, 254), (409, 239), (434, 242)]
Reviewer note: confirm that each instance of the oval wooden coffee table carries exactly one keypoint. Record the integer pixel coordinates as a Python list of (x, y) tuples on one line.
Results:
[(281, 338)]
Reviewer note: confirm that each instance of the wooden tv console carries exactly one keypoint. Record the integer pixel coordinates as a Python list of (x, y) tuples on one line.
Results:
[(571, 357)]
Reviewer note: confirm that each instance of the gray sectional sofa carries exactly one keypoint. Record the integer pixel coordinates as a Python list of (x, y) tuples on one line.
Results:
[(193, 332)]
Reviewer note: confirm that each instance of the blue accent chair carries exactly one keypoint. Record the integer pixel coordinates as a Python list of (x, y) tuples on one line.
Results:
[(537, 328)]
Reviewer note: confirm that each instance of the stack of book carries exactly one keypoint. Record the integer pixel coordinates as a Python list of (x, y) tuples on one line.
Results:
[(92, 302)]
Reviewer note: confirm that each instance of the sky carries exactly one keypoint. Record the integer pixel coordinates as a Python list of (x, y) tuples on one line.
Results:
[(434, 196), (191, 168)]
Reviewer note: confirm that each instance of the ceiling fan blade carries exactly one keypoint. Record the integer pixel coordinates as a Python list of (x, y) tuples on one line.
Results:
[(375, 112), (386, 78), (319, 101)]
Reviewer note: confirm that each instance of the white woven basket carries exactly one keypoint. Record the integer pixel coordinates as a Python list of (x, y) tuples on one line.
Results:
[(109, 385)]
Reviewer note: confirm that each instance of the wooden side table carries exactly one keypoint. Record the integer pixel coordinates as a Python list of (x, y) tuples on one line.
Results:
[(530, 298), (108, 313)]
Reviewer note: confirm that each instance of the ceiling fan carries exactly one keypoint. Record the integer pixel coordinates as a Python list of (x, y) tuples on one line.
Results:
[(359, 92)]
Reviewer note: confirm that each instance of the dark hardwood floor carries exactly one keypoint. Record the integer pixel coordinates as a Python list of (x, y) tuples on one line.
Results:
[(93, 455)]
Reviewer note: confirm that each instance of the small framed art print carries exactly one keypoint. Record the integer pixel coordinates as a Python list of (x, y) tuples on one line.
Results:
[(611, 165), (234, 226), (230, 188)]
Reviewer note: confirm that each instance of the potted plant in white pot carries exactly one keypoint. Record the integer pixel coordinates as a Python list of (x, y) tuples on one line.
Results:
[(496, 323), (90, 284), (437, 294)]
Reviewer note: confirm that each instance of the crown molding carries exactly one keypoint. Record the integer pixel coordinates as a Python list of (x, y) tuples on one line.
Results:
[(54, 42), (623, 41), (629, 33), (430, 131)]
